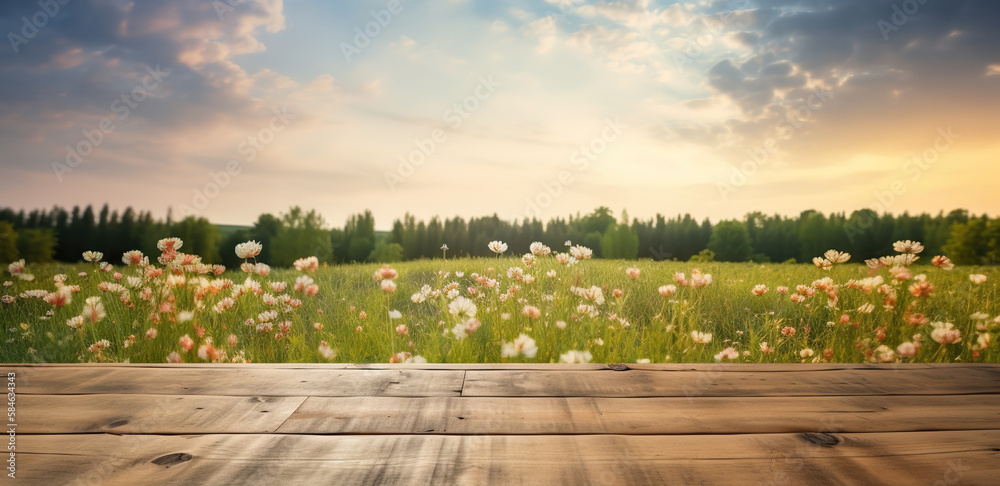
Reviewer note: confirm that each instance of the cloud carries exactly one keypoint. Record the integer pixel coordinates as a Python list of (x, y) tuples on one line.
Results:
[(621, 49), (544, 30), (631, 13), (90, 61), (84, 59), (404, 42), (753, 65), (787, 47)]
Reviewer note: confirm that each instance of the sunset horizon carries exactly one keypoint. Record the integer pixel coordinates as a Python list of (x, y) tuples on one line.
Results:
[(474, 242), (227, 110)]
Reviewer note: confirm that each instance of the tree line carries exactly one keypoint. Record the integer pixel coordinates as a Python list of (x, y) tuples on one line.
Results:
[(59, 235)]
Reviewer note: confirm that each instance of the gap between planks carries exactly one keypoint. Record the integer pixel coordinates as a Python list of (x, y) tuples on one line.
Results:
[(510, 383), (188, 414), (883, 458)]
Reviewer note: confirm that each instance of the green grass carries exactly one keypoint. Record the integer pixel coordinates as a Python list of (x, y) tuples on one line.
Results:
[(659, 329)]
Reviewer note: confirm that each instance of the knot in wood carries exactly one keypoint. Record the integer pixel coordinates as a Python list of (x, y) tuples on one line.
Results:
[(172, 459), (825, 440)]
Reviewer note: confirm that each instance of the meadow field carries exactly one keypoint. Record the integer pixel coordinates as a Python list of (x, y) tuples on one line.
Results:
[(524, 305)]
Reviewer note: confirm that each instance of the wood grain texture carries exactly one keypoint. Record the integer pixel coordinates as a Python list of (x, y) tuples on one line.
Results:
[(507, 424), (647, 383), (248, 381), (718, 367), (642, 416), (153, 414), (190, 414), (878, 458), (560, 381)]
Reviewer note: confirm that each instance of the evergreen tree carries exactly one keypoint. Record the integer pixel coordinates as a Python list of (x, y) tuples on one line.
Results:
[(301, 234), (8, 242), (730, 242), (36, 245), (968, 243), (61, 226), (264, 230), (620, 241), (386, 252)]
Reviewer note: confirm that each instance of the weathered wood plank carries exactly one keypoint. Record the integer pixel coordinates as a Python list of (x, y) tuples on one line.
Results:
[(970, 457), (338, 366), (715, 367), (656, 416), (189, 414), (252, 381), (238, 381), (152, 414), (641, 383)]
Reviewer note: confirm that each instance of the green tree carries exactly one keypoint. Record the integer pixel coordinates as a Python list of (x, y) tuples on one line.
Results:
[(435, 238), (301, 234), (200, 238), (228, 250), (385, 252), (264, 230), (593, 241), (813, 234), (36, 245), (620, 241), (358, 238), (8, 243), (598, 221), (968, 243), (360, 248), (61, 226), (730, 241)]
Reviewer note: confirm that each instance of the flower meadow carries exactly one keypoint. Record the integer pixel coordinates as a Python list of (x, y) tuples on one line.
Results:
[(543, 305)]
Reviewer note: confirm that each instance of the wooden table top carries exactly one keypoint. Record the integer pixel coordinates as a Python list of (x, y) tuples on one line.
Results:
[(506, 424)]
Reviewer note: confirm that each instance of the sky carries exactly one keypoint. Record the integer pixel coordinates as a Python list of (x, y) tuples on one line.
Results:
[(232, 108)]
